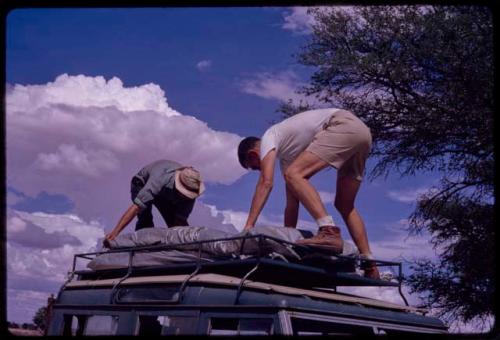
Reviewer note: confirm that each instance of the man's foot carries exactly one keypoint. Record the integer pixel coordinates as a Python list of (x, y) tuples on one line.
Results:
[(372, 272), (369, 267), (328, 238)]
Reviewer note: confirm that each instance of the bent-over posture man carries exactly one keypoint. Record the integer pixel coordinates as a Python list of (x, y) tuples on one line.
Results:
[(305, 144), (171, 187)]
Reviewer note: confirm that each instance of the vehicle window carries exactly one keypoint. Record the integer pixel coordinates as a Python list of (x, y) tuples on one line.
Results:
[(223, 326), (77, 325), (241, 326), (167, 325), (255, 326), (73, 325), (314, 327), (101, 325), (393, 331)]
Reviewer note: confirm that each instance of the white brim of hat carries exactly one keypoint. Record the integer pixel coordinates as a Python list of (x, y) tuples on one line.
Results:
[(185, 191)]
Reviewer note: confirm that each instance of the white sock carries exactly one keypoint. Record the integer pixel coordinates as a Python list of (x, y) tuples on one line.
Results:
[(368, 256), (325, 221)]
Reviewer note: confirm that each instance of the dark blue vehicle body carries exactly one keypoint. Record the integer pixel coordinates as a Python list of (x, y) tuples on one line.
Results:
[(253, 296)]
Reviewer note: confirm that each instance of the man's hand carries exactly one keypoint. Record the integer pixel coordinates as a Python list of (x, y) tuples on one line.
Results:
[(247, 228), (109, 237), (131, 212)]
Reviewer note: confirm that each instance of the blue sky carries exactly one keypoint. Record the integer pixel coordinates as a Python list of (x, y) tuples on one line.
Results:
[(160, 46), (189, 83)]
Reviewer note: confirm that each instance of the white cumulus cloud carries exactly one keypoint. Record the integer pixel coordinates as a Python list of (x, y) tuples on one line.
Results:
[(83, 91), (15, 224), (326, 197), (48, 262), (85, 137), (69, 158), (400, 246), (298, 20), (278, 85), (238, 218), (22, 304), (408, 195), (204, 65)]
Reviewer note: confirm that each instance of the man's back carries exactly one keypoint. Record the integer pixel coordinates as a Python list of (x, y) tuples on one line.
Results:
[(291, 136), (161, 171)]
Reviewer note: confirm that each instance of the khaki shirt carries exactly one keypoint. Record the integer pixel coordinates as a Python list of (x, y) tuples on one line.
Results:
[(159, 185)]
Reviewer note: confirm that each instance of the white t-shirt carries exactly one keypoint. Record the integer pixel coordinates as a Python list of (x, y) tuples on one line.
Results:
[(292, 136)]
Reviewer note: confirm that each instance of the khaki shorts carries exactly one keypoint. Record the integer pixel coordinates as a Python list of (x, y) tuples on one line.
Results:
[(345, 143)]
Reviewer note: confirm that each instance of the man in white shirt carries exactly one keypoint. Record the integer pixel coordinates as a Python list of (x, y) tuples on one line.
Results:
[(304, 144)]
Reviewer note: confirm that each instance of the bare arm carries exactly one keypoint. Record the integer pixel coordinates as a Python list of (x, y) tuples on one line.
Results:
[(291, 209), (263, 188), (131, 212)]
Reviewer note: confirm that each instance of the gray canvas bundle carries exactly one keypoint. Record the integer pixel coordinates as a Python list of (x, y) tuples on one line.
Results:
[(163, 257), (178, 236), (180, 253)]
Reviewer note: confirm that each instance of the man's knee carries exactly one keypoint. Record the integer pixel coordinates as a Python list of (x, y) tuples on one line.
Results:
[(291, 175)]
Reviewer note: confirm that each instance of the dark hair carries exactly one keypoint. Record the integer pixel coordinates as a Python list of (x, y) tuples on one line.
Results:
[(245, 145)]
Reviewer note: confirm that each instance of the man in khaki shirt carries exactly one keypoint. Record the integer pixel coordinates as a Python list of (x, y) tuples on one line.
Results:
[(171, 187)]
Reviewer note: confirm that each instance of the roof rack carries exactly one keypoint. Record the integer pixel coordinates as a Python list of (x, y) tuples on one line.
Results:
[(322, 268)]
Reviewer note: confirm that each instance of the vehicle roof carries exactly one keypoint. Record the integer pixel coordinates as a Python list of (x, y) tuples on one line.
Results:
[(259, 281), (212, 291), (231, 281)]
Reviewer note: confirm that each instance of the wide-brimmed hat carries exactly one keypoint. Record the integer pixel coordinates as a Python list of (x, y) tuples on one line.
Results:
[(189, 183)]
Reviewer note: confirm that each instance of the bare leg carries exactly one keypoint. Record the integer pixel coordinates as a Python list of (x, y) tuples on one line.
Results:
[(347, 189), (297, 180), (306, 165), (297, 174)]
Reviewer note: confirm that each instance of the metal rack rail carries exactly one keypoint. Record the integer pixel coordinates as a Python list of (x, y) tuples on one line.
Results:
[(259, 261)]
